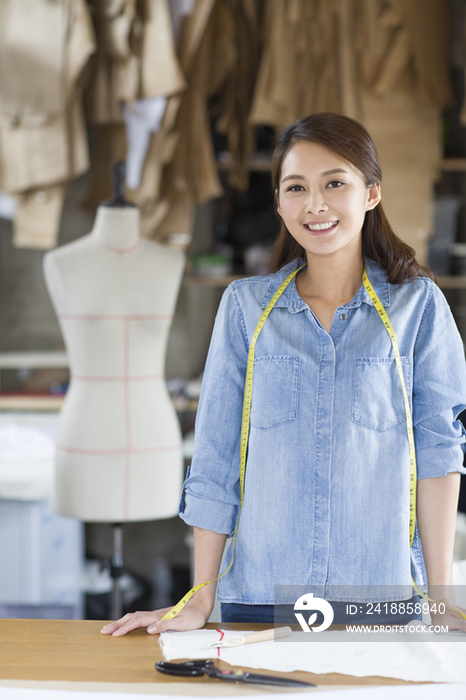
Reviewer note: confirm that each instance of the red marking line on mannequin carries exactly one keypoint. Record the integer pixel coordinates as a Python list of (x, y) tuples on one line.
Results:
[(115, 317), (118, 450), (126, 379), (114, 248), (142, 378)]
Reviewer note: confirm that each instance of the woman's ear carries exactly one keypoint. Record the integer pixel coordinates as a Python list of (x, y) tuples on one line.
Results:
[(277, 206), (375, 195)]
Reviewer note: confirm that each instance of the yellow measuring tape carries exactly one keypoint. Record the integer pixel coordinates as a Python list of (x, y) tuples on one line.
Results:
[(409, 422), (246, 419), (409, 427)]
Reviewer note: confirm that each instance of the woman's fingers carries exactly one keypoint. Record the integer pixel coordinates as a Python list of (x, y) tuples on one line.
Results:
[(451, 619), (133, 621), (191, 618)]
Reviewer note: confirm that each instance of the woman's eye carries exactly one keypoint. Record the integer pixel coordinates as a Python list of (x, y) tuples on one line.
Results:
[(335, 183), (295, 188)]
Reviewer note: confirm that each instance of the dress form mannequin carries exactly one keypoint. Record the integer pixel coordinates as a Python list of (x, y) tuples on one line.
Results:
[(119, 448), (119, 454)]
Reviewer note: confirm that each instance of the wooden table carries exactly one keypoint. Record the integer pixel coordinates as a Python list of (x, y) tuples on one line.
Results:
[(74, 650)]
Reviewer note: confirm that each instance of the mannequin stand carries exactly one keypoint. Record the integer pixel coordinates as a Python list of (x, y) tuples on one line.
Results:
[(116, 570)]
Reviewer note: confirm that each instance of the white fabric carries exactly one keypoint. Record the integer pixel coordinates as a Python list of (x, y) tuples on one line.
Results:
[(7, 206), (142, 118), (441, 661), (460, 539), (459, 575), (179, 9), (27, 456)]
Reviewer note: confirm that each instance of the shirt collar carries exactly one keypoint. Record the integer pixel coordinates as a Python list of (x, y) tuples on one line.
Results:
[(290, 298)]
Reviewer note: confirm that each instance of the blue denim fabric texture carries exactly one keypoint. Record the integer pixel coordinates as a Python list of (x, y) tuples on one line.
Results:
[(327, 477)]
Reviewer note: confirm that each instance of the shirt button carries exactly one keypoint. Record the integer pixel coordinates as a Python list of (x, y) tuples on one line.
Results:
[(343, 317)]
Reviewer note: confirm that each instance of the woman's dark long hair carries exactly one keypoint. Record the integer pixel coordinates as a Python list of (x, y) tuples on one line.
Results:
[(350, 140)]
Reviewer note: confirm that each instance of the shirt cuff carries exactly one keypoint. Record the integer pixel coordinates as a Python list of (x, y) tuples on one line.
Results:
[(209, 515), (439, 461)]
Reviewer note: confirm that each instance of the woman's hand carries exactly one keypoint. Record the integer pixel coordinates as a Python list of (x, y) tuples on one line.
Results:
[(192, 617), (451, 618), (208, 550)]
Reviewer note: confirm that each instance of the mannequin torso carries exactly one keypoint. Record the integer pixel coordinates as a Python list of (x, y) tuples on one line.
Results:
[(119, 448)]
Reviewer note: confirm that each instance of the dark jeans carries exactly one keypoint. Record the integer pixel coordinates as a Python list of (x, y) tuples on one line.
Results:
[(284, 614)]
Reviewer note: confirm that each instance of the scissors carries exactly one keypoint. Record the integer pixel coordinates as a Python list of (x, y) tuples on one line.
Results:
[(199, 667)]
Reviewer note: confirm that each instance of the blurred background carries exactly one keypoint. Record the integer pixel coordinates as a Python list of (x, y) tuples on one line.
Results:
[(192, 95)]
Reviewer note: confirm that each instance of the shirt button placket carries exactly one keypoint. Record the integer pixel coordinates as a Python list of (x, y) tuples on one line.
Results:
[(323, 464)]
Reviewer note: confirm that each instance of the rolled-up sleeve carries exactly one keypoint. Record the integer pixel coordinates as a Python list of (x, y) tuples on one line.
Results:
[(211, 491), (439, 391)]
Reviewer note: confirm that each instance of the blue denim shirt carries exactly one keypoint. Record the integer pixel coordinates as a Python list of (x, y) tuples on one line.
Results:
[(327, 477)]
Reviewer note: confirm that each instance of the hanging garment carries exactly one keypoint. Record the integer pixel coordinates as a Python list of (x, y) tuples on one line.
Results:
[(161, 151), (136, 39), (299, 69), (48, 148), (238, 88), (161, 73), (37, 217), (142, 118), (407, 133), (45, 148), (401, 112), (408, 34), (36, 155), (179, 10), (107, 143), (161, 77), (191, 175), (116, 65), (136, 57), (32, 48)]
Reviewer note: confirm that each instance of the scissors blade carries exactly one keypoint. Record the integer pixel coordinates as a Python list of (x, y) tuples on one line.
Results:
[(273, 680), (255, 678)]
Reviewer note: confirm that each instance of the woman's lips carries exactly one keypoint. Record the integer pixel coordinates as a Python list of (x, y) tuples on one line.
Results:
[(321, 231)]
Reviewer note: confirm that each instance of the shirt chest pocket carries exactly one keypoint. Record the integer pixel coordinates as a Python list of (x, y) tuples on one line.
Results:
[(378, 401), (275, 391)]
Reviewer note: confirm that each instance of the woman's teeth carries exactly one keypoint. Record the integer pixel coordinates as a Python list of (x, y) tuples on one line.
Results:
[(321, 227)]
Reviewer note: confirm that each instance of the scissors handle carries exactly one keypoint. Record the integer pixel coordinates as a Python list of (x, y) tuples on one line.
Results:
[(199, 667), (186, 668)]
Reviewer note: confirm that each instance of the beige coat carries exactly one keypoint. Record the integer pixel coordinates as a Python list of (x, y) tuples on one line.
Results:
[(43, 142)]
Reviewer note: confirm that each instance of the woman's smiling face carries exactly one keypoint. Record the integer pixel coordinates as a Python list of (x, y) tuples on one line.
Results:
[(323, 199)]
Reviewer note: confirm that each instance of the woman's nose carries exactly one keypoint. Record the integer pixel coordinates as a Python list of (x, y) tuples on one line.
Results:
[(315, 202)]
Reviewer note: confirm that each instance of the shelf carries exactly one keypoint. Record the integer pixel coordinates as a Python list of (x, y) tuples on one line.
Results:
[(30, 360), (263, 163), (258, 163), (453, 164), (185, 405), (30, 403), (452, 282), (211, 280)]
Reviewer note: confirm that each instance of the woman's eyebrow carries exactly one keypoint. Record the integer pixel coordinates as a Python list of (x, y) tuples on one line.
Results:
[(325, 174), (293, 177), (332, 172)]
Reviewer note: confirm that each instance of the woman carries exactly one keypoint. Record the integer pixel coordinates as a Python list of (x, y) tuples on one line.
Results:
[(327, 484)]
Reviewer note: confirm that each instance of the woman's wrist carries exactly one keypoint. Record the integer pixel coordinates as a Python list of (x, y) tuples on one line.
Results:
[(441, 593), (204, 605)]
